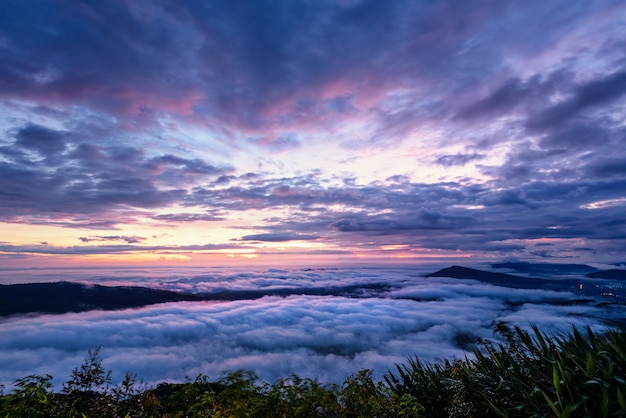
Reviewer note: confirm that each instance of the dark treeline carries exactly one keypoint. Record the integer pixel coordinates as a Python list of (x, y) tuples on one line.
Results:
[(532, 374), (64, 297)]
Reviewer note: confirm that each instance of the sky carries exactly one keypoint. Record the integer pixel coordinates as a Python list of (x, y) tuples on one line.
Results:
[(189, 133)]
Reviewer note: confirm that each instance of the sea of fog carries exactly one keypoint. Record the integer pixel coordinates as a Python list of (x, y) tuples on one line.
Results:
[(393, 314)]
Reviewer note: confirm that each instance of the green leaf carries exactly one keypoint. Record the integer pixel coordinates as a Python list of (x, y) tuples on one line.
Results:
[(556, 382), (551, 404), (605, 402), (620, 399), (590, 366), (566, 412)]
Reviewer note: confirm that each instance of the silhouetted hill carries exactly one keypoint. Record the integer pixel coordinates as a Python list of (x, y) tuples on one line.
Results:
[(500, 279), (610, 290), (613, 274), (64, 297)]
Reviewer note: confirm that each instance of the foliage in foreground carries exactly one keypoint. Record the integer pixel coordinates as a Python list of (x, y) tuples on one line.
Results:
[(579, 375)]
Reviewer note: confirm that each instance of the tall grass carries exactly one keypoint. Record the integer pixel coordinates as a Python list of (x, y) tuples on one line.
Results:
[(532, 375)]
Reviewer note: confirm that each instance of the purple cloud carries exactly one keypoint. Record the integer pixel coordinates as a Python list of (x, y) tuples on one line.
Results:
[(278, 237), (126, 239), (457, 159)]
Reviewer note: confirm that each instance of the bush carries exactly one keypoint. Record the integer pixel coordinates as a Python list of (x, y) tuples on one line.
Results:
[(32, 397)]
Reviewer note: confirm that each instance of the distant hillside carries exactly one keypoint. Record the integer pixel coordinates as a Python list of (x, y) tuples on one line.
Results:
[(610, 290), (500, 279), (64, 297), (613, 274)]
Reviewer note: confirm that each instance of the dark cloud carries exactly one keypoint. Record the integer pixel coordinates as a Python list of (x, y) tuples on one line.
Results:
[(225, 179), (278, 143), (457, 159), (267, 64), (188, 217), (112, 249), (279, 237), (195, 166), (398, 179), (586, 95), (414, 212), (445, 216), (67, 51), (80, 179), (560, 125), (516, 95), (506, 197), (501, 101), (608, 168), (583, 134), (278, 64), (126, 239), (41, 139), (407, 222)]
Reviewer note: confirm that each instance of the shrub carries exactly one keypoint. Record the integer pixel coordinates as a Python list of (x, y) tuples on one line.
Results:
[(31, 397)]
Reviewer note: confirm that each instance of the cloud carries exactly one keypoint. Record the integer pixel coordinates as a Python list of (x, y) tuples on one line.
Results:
[(188, 217), (279, 237), (328, 337), (111, 249), (468, 217), (586, 95), (281, 142), (457, 159), (127, 239), (195, 166), (609, 167), (82, 179), (41, 139), (275, 65)]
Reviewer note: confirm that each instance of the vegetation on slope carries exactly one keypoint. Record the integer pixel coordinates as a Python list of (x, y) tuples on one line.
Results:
[(578, 375)]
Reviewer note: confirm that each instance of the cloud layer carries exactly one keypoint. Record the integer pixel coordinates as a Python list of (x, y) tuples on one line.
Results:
[(328, 337)]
